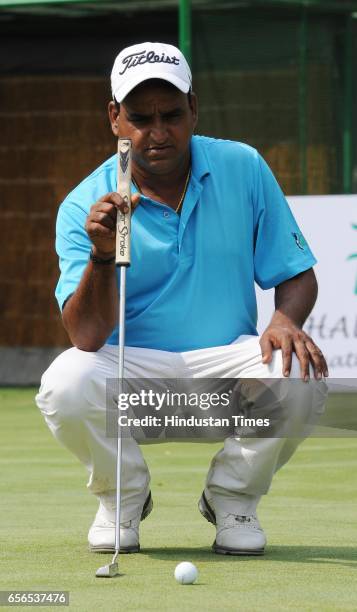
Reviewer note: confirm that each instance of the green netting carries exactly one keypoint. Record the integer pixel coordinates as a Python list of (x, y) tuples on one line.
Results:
[(324, 5), (253, 87), (247, 72)]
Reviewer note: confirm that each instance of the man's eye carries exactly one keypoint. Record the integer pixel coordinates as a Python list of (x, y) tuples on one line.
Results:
[(138, 119), (173, 115)]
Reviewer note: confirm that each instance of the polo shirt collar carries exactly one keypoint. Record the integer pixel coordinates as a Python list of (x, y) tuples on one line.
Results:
[(200, 169), (199, 161)]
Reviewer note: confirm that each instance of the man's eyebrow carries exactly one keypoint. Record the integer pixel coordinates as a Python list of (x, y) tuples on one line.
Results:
[(172, 111), (132, 114), (135, 114)]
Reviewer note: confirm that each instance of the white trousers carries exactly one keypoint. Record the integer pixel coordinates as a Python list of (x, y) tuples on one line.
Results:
[(72, 399)]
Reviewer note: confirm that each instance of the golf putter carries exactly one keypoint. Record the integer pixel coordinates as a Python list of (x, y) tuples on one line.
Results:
[(122, 260)]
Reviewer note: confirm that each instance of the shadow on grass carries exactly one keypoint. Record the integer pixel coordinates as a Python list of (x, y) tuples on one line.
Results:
[(342, 555)]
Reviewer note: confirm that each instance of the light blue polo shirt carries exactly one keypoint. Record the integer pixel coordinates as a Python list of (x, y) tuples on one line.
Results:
[(191, 280)]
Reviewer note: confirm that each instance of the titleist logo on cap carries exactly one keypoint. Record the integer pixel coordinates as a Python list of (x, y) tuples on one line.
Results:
[(147, 61), (145, 57)]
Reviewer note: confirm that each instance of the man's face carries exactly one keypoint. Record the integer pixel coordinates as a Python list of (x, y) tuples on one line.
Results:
[(159, 119)]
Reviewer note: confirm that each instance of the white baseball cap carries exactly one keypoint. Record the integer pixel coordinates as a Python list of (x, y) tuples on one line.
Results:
[(149, 60)]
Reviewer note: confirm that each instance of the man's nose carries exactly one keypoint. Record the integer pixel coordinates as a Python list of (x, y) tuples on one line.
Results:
[(159, 131)]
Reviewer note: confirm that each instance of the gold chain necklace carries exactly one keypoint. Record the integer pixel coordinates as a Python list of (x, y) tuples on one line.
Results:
[(184, 191), (177, 209)]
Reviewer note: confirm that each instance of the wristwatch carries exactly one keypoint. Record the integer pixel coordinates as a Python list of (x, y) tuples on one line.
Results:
[(99, 260)]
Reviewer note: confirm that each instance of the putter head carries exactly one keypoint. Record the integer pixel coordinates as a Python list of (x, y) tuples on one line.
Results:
[(107, 571)]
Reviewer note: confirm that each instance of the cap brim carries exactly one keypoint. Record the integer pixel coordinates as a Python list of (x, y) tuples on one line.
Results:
[(182, 85)]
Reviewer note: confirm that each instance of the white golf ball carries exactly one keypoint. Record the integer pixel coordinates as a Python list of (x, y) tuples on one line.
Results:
[(186, 573)]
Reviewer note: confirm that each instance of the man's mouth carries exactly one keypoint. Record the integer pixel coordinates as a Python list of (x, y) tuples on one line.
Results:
[(158, 147), (158, 150)]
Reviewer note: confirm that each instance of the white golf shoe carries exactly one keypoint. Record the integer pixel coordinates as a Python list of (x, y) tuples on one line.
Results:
[(235, 534), (101, 535)]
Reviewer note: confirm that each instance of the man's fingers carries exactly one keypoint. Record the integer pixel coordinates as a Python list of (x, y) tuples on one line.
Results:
[(103, 218), (101, 221), (293, 340), (286, 352), (135, 199), (97, 230), (105, 207), (114, 199), (266, 348), (303, 357), (317, 359)]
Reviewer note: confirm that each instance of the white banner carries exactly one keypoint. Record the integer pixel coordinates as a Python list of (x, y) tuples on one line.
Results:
[(329, 224)]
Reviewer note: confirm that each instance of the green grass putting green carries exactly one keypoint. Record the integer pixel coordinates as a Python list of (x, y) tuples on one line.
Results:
[(310, 517)]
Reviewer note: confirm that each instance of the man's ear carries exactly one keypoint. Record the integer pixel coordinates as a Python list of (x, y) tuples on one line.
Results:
[(113, 112)]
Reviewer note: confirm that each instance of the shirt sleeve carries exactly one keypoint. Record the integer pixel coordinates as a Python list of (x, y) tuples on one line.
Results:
[(73, 248), (280, 250)]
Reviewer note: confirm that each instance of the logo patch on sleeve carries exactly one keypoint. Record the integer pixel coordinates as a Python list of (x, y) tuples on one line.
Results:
[(300, 240)]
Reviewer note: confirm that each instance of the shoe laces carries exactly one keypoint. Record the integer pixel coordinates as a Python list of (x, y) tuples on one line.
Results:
[(108, 523), (241, 521)]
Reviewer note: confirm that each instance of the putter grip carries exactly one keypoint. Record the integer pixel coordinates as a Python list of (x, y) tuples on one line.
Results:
[(122, 248)]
